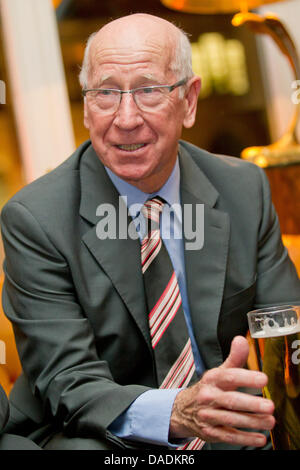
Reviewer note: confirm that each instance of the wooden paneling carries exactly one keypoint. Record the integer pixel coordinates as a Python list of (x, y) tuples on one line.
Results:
[(285, 187)]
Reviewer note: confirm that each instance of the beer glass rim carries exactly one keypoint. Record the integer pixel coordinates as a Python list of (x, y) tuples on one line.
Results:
[(274, 308)]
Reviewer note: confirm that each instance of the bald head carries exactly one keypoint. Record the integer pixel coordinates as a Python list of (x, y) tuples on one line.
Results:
[(126, 34), (139, 23)]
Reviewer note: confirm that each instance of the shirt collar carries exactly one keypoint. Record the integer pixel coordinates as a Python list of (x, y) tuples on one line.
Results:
[(134, 198)]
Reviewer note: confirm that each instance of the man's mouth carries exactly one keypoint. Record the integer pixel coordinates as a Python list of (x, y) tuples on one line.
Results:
[(130, 147)]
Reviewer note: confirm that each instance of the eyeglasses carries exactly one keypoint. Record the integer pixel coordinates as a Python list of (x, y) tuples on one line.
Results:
[(150, 98)]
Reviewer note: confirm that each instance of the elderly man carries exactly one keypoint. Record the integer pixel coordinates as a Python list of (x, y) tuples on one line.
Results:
[(134, 339)]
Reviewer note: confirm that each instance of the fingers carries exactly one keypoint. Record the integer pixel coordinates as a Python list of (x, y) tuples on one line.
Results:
[(237, 420), (235, 409), (234, 436), (224, 416), (239, 352), (212, 397), (206, 411), (213, 410), (231, 379)]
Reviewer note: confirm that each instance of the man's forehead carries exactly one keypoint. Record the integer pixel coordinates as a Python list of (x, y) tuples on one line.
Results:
[(128, 46), (145, 60)]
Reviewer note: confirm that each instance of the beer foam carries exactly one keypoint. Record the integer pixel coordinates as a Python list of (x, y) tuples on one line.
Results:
[(270, 332)]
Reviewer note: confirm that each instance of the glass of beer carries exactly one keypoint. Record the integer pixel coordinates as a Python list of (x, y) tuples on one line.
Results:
[(275, 335)]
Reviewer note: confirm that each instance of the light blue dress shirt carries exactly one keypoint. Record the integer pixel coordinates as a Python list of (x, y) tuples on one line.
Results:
[(148, 417)]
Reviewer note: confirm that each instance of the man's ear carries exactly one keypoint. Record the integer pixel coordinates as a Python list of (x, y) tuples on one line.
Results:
[(191, 100), (85, 115)]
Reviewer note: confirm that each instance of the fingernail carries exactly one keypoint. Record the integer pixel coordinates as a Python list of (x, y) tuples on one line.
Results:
[(261, 380), (260, 441), (266, 406)]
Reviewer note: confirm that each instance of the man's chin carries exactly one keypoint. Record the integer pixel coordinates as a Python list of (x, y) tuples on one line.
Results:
[(133, 172), (132, 177)]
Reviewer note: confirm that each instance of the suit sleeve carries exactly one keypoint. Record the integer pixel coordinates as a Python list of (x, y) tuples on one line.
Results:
[(54, 338), (277, 279), (4, 409)]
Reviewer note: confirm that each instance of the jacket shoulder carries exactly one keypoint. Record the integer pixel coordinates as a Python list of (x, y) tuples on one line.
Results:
[(53, 187), (220, 169)]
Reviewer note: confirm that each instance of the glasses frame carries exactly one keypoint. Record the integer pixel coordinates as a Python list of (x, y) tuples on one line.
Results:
[(170, 88)]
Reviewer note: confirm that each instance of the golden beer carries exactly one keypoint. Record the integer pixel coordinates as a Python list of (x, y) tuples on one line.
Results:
[(275, 334)]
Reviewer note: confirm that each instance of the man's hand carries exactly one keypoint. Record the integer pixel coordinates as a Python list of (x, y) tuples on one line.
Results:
[(213, 410)]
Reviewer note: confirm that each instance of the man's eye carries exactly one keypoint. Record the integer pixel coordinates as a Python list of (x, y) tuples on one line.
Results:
[(105, 92), (147, 91)]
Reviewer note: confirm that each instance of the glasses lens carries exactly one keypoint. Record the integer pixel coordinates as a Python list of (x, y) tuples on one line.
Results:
[(146, 98), (149, 98), (104, 100)]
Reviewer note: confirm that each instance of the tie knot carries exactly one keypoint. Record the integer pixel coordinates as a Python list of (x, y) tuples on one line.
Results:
[(152, 208)]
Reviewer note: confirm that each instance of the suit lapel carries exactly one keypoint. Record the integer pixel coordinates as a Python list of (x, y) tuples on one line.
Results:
[(119, 258), (205, 267)]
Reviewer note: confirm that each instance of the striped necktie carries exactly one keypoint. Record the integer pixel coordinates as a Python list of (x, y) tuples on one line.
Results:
[(171, 344)]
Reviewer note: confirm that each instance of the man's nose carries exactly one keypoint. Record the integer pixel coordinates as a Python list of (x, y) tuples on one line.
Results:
[(128, 115)]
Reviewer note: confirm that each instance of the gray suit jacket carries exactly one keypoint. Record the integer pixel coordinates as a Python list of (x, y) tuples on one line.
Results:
[(10, 441), (77, 303)]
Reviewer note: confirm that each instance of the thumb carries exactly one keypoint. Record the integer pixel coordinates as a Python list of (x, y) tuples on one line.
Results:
[(238, 355)]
